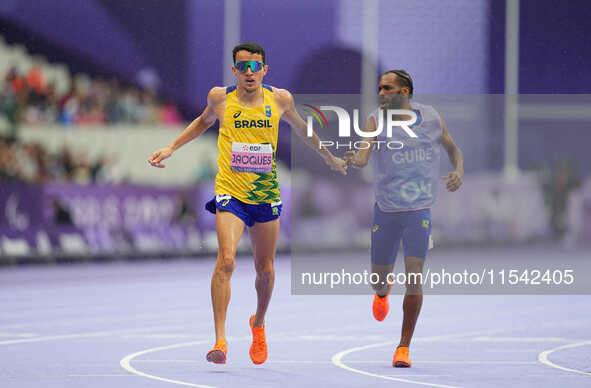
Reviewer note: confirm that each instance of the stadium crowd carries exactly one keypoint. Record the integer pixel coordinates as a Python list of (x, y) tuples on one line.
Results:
[(32, 100), (32, 163)]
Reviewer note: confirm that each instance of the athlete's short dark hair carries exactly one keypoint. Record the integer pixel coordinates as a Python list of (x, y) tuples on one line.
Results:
[(404, 79), (251, 47)]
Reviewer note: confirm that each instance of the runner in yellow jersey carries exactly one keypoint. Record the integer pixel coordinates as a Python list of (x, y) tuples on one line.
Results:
[(246, 186)]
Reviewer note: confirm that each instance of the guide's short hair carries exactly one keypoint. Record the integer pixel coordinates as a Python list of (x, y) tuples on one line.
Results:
[(404, 79)]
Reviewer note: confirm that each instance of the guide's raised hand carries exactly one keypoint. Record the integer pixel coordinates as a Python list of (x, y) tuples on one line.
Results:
[(454, 181)]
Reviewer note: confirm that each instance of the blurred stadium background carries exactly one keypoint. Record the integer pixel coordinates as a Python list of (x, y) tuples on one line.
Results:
[(90, 89)]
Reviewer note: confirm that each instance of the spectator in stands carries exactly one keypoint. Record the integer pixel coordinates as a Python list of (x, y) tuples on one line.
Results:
[(35, 80), (8, 164), (9, 106), (31, 99), (186, 213), (557, 187), (16, 82), (61, 215), (32, 163), (169, 114)]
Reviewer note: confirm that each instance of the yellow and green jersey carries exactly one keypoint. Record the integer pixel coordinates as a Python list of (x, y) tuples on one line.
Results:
[(247, 145)]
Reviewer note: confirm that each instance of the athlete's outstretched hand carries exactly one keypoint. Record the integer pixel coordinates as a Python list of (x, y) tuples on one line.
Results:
[(158, 156), (337, 164), (454, 181)]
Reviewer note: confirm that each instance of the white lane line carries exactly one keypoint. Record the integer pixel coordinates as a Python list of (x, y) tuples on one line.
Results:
[(84, 335), (521, 339), (126, 363), (95, 320), (158, 336), (127, 360), (337, 360), (166, 361), (62, 310), (112, 375), (543, 357), (466, 362), (342, 338), (298, 362), (518, 350), (547, 376), (267, 362), (483, 362), (420, 375), (18, 335)]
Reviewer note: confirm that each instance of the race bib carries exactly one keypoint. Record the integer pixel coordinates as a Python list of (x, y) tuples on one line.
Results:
[(248, 157)]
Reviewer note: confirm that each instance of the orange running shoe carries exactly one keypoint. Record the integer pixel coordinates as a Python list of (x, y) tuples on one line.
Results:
[(401, 359), (258, 350), (217, 355), (381, 306)]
